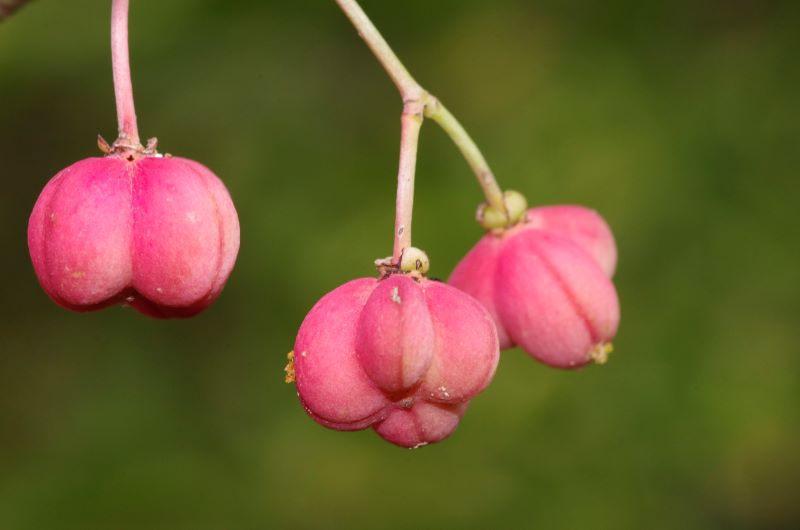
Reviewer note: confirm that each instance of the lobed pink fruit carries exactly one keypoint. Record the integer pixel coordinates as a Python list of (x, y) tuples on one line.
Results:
[(398, 355), (158, 233), (546, 282)]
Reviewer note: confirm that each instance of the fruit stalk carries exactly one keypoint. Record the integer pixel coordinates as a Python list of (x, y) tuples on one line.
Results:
[(123, 88), (409, 139), (411, 91)]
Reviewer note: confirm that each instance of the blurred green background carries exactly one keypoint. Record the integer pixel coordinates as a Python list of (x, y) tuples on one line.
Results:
[(678, 121)]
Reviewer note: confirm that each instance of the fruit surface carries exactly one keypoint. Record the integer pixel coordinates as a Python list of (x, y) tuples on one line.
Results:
[(158, 233)]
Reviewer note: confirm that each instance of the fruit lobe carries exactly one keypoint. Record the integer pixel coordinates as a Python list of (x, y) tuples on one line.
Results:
[(158, 233)]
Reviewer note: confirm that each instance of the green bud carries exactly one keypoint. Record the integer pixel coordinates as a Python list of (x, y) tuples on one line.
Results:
[(414, 260), (491, 218), (516, 205)]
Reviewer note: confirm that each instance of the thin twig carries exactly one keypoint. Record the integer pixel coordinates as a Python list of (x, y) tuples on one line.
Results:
[(411, 91)]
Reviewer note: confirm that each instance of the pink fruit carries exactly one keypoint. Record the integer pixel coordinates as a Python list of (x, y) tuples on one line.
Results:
[(402, 356), (547, 284), (158, 233)]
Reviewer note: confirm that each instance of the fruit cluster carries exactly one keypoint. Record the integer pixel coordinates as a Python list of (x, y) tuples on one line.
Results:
[(401, 353), (404, 354)]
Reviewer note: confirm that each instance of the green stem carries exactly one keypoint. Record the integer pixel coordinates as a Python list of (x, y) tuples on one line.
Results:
[(409, 88), (469, 149), (411, 91)]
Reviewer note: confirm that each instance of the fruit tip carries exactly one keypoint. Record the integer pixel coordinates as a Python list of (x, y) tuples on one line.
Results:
[(600, 352)]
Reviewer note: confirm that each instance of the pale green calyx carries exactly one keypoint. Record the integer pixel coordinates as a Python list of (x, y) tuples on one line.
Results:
[(414, 260), (492, 218)]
